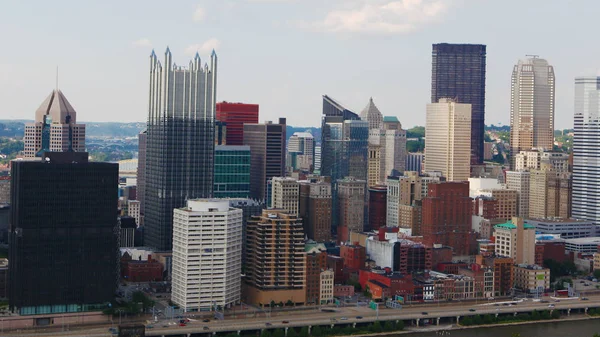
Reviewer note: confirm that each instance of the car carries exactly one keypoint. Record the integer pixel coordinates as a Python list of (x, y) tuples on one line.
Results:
[(359, 317), (584, 298), (557, 301), (206, 320), (165, 325), (505, 304), (181, 324), (424, 313), (205, 328), (472, 310), (285, 322), (268, 324), (544, 301), (334, 320), (149, 326), (582, 281), (344, 318), (113, 330), (496, 305), (550, 305)]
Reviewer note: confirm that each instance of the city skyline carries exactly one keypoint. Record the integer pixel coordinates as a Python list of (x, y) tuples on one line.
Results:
[(403, 66)]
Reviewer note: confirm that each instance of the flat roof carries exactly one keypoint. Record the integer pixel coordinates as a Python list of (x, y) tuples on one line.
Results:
[(510, 225), (583, 241)]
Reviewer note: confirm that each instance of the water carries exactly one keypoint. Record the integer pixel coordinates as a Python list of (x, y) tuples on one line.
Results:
[(584, 328)]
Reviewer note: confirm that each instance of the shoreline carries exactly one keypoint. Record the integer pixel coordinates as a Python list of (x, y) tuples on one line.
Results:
[(455, 327)]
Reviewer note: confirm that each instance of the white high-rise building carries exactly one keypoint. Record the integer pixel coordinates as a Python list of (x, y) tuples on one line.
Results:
[(55, 128), (531, 106), (285, 194), (301, 151), (520, 181), (586, 150), (448, 139), (207, 255)]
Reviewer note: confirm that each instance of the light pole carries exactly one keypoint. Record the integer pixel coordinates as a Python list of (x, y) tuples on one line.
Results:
[(120, 312)]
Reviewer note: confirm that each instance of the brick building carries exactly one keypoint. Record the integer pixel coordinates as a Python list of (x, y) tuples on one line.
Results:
[(148, 270), (316, 262), (354, 256), (377, 206)]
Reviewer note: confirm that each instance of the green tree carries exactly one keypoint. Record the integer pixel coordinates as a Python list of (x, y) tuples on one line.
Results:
[(388, 326), (597, 273), (348, 330), (289, 303), (515, 334), (272, 304), (400, 325), (555, 314), (303, 332), (535, 315), (316, 331), (279, 333), (546, 314), (265, 333), (487, 319), (292, 332), (416, 132), (376, 327), (477, 320), (367, 292)]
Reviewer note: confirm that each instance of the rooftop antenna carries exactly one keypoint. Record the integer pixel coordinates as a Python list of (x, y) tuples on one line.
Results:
[(56, 78), (533, 56)]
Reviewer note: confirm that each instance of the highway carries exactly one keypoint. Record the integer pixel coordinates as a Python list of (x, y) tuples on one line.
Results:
[(314, 317)]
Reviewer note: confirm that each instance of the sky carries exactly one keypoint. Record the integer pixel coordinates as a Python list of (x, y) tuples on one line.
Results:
[(284, 54)]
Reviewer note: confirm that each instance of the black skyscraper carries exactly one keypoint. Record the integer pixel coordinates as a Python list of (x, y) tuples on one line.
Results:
[(63, 249), (458, 71)]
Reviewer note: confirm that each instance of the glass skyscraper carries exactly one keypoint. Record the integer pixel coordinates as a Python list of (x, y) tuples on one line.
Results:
[(179, 142), (232, 171), (458, 72), (586, 150)]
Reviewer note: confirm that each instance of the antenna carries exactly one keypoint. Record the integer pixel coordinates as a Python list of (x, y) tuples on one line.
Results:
[(57, 78)]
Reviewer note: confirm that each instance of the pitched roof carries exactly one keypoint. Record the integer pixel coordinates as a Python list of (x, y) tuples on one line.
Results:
[(56, 106), (372, 114)]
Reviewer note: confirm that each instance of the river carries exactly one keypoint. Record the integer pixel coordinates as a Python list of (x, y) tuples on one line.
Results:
[(583, 328)]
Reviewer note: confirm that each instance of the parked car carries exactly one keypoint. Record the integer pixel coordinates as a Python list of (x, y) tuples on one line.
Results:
[(472, 310), (205, 328), (206, 320), (424, 313)]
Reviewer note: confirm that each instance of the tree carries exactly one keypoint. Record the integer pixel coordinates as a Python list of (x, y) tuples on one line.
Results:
[(281, 304), (272, 304), (376, 327), (597, 273), (279, 333), (289, 303), (400, 325), (477, 320), (292, 333), (535, 315), (487, 319), (303, 332), (316, 331), (367, 292), (388, 326), (555, 314), (265, 333)]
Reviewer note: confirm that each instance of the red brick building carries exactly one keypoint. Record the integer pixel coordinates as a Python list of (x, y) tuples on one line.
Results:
[(342, 290), (336, 264), (141, 271), (354, 256), (377, 206), (316, 262), (447, 211), (235, 115), (386, 285)]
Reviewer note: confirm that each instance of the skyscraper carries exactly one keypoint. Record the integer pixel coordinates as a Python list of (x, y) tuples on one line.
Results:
[(531, 106), (586, 150), (447, 133), (232, 171), (301, 151), (180, 142), (372, 115), (141, 172), (458, 72), (285, 194), (235, 115), (213, 271), (267, 154), (315, 209), (352, 196), (64, 237), (55, 128)]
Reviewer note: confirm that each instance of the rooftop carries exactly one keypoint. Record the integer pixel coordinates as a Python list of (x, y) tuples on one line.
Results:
[(584, 241), (510, 225)]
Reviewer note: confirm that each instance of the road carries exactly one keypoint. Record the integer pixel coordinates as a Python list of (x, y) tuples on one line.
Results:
[(315, 317)]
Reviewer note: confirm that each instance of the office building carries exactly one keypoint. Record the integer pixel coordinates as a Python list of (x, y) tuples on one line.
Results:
[(179, 142), (516, 239), (531, 106), (351, 193), (374, 167), (414, 162), (54, 129), (301, 151), (372, 115), (285, 194), (249, 209), (581, 245), (506, 202), (133, 210), (447, 139), (207, 255), (267, 154), (317, 159), (316, 262), (520, 181), (141, 173), (549, 194), (566, 228), (586, 150), (344, 142), (276, 261), (235, 115), (220, 133), (532, 279), (447, 217), (387, 154), (127, 226), (232, 171), (377, 207), (458, 71), (326, 286), (315, 208), (535, 159), (63, 227)]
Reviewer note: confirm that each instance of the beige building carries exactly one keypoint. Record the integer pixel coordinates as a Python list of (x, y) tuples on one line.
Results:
[(531, 278), (326, 287), (520, 181), (549, 194), (351, 201), (534, 159), (403, 201), (448, 139), (276, 260), (374, 165), (285, 194), (516, 239), (531, 106), (596, 261), (390, 147), (506, 205), (133, 210)]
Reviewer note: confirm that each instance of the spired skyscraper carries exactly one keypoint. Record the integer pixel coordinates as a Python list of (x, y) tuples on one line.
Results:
[(179, 142), (55, 128), (458, 72), (586, 150), (531, 106)]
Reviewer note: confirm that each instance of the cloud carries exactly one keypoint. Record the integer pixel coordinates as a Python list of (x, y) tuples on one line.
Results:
[(199, 14), (382, 17), (203, 48), (144, 42)]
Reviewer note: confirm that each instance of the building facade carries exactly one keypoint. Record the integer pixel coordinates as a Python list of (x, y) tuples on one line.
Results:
[(141, 173), (179, 142), (516, 239), (447, 139), (232, 171), (586, 150), (377, 207), (77, 252), (55, 128), (267, 154), (531, 106), (207, 255), (285, 194), (520, 181), (301, 151), (458, 71), (531, 278), (315, 208), (351, 195), (235, 115)]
